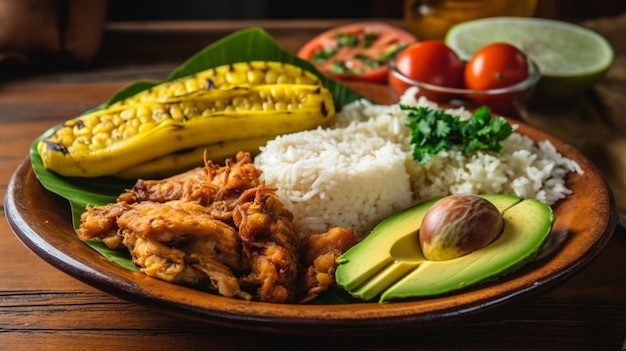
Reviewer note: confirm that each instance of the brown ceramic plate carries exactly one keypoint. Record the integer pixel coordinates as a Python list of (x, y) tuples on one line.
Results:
[(587, 219)]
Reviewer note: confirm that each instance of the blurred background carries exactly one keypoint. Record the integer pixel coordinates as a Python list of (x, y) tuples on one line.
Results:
[(141, 10), (79, 33)]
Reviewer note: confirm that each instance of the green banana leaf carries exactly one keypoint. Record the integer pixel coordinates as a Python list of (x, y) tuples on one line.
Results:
[(245, 45)]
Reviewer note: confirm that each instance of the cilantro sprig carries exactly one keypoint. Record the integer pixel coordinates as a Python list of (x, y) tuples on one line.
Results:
[(434, 130)]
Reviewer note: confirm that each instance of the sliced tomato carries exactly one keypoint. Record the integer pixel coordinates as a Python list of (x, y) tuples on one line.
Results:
[(356, 52)]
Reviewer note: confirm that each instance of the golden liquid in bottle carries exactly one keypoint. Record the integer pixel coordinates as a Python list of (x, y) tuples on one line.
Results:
[(431, 19)]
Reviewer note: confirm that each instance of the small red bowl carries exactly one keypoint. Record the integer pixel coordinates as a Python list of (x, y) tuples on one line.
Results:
[(502, 100)]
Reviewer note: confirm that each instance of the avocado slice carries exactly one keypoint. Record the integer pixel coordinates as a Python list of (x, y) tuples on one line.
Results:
[(389, 263)]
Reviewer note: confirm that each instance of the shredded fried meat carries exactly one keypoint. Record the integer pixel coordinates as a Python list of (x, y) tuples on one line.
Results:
[(219, 227), (205, 185), (319, 252), (270, 244)]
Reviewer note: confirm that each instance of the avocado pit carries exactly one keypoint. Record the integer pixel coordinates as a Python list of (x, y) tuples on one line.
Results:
[(457, 225)]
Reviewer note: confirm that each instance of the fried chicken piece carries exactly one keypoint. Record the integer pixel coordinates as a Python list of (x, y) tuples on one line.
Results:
[(101, 222), (319, 252), (178, 241), (183, 266), (177, 222), (218, 227), (205, 185), (270, 243), (192, 185), (162, 261)]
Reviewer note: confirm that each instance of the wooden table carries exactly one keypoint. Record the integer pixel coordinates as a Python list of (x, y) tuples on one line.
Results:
[(42, 308)]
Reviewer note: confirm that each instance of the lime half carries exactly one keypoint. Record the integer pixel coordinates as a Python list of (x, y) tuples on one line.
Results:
[(571, 58)]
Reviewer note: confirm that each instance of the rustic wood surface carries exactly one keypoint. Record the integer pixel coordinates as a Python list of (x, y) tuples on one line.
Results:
[(42, 308)]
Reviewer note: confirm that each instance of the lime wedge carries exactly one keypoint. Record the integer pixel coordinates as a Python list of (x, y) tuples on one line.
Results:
[(570, 57)]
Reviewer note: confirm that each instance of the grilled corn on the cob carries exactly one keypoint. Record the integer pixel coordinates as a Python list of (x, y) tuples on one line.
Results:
[(122, 136), (178, 162), (239, 74)]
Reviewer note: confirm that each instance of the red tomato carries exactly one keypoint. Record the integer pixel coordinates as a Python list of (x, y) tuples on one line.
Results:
[(496, 65), (429, 61), (356, 52)]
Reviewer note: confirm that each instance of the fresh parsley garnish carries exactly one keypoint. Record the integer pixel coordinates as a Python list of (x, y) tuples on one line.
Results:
[(320, 56), (338, 67), (367, 61), (344, 39), (369, 39), (434, 130)]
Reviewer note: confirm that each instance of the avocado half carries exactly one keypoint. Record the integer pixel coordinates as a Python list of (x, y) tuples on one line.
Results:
[(389, 263)]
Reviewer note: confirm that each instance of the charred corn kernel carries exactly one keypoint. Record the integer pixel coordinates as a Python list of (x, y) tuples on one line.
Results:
[(236, 77), (284, 79), (117, 120), (83, 131), (101, 138), (277, 94), (178, 162), (256, 77), (216, 82), (227, 77), (176, 112), (192, 85), (81, 141), (143, 112), (279, 105), (128, 113), (208, 116), (104, 127), (271, 77)]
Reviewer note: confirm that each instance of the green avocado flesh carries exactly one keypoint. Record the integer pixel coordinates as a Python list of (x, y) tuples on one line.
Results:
[(389, 263)]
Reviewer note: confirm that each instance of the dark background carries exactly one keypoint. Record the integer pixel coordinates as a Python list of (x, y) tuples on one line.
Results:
[(146, 10), (124, 10)]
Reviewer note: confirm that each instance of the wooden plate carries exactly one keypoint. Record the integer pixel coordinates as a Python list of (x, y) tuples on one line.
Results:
[(42, 221)]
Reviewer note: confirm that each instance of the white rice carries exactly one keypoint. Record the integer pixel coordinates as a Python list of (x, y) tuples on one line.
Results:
[(322, 175), (360, 170)]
